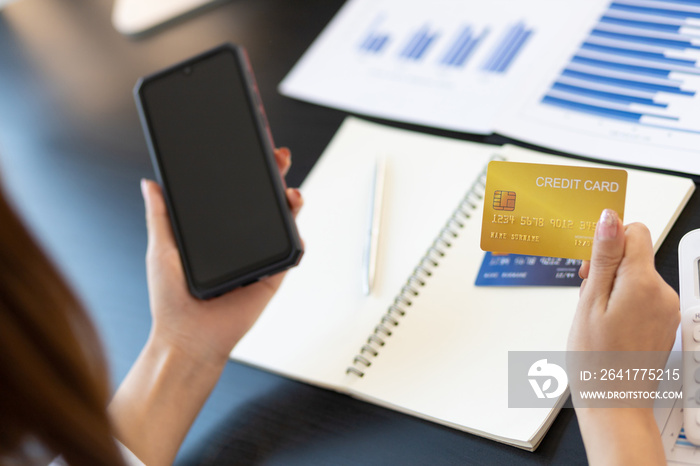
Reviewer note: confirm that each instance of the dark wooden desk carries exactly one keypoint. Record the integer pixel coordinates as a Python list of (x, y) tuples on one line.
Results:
[(72, 156)]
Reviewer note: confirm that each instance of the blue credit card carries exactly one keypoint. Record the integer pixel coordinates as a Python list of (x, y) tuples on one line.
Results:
[(521, 270)]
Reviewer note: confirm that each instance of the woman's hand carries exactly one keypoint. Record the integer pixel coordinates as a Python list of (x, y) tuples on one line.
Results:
[(207, 329), (626, 312), (624, 303), (189, 343)]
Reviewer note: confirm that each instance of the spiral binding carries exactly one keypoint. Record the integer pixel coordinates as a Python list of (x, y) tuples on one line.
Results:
[(420, 276)]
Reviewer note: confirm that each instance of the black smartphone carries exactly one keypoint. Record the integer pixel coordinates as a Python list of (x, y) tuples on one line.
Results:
[(212, 151)]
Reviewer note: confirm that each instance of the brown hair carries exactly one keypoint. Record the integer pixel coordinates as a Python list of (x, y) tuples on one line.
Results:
[(53, 382)]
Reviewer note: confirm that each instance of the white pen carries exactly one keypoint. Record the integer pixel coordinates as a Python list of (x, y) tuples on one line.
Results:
[(375, 220)]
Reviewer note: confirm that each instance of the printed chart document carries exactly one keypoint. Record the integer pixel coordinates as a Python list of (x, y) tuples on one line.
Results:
[(679, 451), (629, 91), (426, 339), (613, 80), (453, 64)]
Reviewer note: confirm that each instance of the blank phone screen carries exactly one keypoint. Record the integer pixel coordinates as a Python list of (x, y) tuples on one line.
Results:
[(212, 163)]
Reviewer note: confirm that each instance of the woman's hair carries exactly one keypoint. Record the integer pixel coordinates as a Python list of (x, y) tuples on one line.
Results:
[(54, 387)]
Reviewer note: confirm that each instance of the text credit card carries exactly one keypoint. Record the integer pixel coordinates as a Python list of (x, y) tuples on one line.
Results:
[(547, 210)]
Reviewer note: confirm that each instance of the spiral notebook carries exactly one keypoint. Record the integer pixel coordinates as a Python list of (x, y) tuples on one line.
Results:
[(427, 341)]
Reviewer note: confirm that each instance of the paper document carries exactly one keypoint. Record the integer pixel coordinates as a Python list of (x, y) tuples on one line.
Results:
[(627, 92), (613, 80), (679, 451), (447, 63)]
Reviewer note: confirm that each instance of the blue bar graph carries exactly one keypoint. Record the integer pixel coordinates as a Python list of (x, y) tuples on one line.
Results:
[(640, 24), (627, 83), (463, 47), (374, 42), (633, 66), (683, 440), (683, 2), (592, 109), (655, 11), (644, 17), (621, 66), (419, 43), (618, 98), (462, 41), (506, 50), (667, 43), (652, 56)]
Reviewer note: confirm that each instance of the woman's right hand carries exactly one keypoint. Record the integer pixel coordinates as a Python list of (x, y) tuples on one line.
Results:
[(625, 308), (624, 303)]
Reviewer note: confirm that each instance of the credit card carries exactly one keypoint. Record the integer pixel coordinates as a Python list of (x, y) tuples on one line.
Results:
[(520, 270), (547, 210)]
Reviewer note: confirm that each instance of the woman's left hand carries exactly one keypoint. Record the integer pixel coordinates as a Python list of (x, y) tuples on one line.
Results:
[(207, 329)]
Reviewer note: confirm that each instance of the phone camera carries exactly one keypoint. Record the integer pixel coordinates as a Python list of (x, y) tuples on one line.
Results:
[(187, 70)]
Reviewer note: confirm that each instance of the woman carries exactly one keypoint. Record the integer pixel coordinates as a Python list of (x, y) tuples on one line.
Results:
[(53, 383)]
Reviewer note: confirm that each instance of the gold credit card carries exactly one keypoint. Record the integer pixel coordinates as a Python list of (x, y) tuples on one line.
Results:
[(547, 210)]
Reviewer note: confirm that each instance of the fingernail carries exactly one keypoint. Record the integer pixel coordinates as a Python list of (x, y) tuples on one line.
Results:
[(298, 200), (144, 193), (607, 225)]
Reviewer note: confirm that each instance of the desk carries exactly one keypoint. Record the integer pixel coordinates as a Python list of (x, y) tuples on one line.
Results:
[(72, 154)]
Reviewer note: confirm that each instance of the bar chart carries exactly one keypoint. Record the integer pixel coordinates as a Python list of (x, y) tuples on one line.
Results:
[(374, 43), (638, 64), (453, 64), (682, 452), (375, 39), (448, 47), (464, 46), (679, 451), (682, 440), (507, 48), (419, 43)]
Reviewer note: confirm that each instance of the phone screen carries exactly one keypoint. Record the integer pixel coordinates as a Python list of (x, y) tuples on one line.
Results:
[(213, 165)]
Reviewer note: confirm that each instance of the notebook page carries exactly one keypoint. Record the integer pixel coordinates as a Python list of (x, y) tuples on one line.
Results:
[(315, 322), (447, 360)]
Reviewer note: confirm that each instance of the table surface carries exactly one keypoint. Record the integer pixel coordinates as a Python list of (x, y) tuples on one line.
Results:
[(72, 154)]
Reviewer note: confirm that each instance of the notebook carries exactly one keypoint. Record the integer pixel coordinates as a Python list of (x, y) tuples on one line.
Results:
[(445, 360)]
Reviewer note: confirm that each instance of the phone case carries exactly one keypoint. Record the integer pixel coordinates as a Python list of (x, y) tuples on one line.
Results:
[(265, 135)]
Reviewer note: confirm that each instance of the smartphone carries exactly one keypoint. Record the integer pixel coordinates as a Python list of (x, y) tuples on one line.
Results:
[(212, 152)]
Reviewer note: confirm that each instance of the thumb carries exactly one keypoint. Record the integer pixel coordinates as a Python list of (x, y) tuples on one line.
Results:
[(608, 250), (157, 221)]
